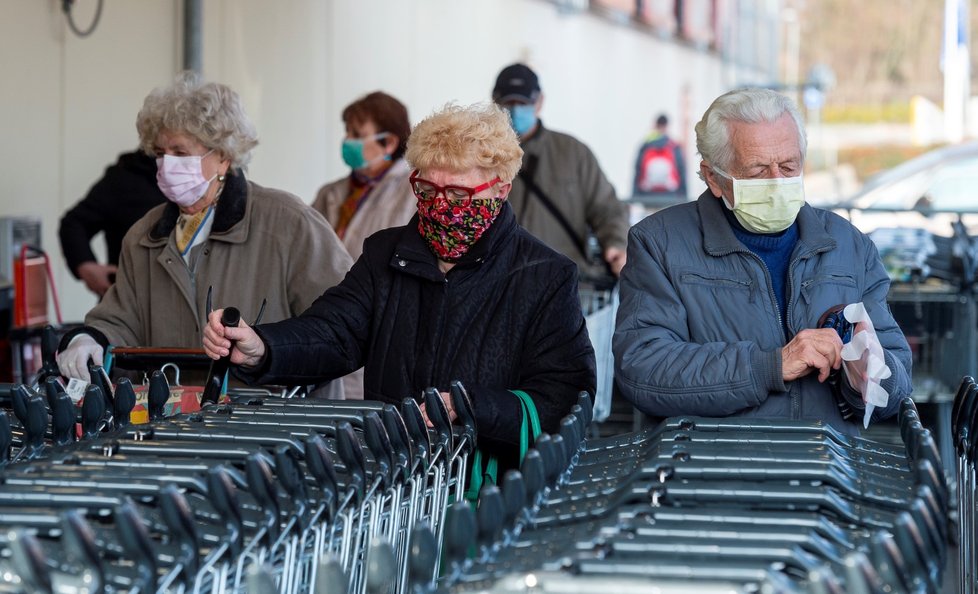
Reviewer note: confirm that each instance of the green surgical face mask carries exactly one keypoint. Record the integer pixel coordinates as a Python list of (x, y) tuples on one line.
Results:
[(766, 205), (352, 151)]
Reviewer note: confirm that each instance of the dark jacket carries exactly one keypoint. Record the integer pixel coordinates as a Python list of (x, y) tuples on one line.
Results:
[(125, 193), (699, 330), (566, 170), (507, 316)]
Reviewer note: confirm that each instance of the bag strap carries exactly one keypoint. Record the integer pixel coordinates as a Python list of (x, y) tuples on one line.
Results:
[(535, 190), (489, 473)]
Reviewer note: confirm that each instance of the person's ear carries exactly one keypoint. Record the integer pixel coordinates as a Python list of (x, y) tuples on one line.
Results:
[(504, 190), (538, 105), (712, 179), (223, 165), (390, 143)]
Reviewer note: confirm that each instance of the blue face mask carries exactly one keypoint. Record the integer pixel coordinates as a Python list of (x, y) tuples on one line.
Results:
[(523, 118), (352, 151)]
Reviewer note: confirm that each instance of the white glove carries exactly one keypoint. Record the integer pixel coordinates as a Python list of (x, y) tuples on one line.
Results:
[(73, 361), (864, 362)]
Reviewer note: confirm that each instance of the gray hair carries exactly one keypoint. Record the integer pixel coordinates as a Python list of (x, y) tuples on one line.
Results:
[(210, 112), (741, 105)]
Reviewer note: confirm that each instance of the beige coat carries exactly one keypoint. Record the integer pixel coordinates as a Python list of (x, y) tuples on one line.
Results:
[(264, 243), (391, 203)]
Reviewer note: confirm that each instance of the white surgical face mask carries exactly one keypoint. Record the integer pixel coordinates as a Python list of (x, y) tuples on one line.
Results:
[(766, 205), (181, 179)]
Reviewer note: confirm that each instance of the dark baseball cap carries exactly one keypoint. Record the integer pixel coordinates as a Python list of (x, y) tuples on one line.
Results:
[(516, 83)]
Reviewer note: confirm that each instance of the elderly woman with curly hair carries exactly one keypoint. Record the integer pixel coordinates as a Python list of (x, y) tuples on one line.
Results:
[(462, 292), (217, 229)]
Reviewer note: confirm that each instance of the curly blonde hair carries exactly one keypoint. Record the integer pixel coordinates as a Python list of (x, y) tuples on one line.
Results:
[(210, 112), (458, 138)]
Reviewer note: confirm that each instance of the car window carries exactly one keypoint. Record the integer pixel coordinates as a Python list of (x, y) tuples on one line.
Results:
[(948, 186)]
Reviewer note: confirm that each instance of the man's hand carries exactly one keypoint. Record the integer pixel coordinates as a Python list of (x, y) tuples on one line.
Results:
[(249, 349), (96, 276), (73, 361), (615, 257), (447, 399), (809, 350)]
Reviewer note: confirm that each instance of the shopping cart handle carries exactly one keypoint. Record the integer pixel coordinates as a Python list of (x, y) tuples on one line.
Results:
[(460, 532), (490, 515), (29, 561), (400, 440), (157, 395), (584, 400), (463, 409), (290, 474), (514, 496), (532, 469), (6, 438), (125, 401), (320, 465), (438, 415), (80, 540), (549, 454), (416, 428), (224, 497), (93, 409), (422, 558), (348, 447), (19, 397), (381, 567), (967, 384), (262, 488), (179, 519), (36, 425), (380, 447), (63, 415), (137, 544), (100, 379), (569, 432)]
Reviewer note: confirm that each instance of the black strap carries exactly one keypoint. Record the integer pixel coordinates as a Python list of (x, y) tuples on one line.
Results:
[(526, 174)]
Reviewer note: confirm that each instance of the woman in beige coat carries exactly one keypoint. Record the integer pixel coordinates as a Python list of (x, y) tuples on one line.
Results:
[(218, 229), (376, 195)]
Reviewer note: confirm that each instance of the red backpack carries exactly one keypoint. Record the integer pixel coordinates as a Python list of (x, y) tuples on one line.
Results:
[(659, 172)]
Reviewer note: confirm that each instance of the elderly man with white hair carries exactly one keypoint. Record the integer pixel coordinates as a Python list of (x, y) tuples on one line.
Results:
[(724, 300)]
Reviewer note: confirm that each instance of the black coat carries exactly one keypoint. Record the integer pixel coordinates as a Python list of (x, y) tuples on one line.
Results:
[(507, 316), (125, 193)]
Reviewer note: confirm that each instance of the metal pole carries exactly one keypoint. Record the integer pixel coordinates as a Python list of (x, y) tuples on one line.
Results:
[(193, 37)]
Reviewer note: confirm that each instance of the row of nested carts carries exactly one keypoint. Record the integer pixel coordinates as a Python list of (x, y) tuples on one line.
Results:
[(262, 493)]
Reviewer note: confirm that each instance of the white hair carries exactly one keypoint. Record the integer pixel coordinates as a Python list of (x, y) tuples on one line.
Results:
[(741, 105)]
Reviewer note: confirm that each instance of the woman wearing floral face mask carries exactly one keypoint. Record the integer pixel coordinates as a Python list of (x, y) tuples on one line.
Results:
[(218, 230), (376, 195), (459, 293)]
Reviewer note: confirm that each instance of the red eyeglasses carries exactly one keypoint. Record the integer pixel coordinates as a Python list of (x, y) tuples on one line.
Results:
[(455, 195)]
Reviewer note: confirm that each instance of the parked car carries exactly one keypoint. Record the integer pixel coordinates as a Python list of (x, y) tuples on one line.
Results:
[(929, 192)]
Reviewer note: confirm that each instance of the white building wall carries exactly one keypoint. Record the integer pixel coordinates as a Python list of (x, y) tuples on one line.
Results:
[(68, 105)]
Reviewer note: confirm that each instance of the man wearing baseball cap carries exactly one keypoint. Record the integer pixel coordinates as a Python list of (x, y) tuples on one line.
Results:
[(561, 195)]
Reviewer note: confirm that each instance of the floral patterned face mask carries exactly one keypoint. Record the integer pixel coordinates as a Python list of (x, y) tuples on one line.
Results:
[(450, 230)]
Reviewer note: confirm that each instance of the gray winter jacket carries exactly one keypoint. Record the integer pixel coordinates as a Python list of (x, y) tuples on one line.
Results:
[(698, 329)]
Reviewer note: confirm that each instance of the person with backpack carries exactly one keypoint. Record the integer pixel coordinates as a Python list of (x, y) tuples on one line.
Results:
[(659, 168)]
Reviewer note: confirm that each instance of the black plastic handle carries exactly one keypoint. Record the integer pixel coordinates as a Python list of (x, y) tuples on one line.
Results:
[(490, 515), (569, 432), (157, 395), (49, 351), (36, 425), (400, 440), (180, 521), (460, 533), (967, 383), (319, 462), (548, 452), (230, 318), (514, 496), (6, 438), (19, 397), (125, 401), (437, 413), (380, 447), (348, 447), (422, 558), (80, 545), (100, 379), (534, 475), (290, 474), (416, 428), (137, 544), (93, 409), (262, 488), (462, 404), (587, 405), (223, 495)]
